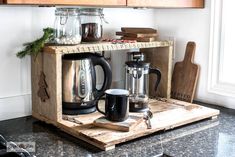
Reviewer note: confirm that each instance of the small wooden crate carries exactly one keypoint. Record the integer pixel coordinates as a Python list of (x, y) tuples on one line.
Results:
[(167, 114), (50, 63)]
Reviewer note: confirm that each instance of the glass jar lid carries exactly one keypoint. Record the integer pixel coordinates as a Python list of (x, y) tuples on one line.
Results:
[(66, 12), (92, 11)]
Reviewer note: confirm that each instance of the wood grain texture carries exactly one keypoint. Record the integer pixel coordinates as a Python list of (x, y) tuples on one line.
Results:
[(136, 35), (70, 2), (162, 109), (141, 39), (50, 64), (126, 125), (185, 76), (138, 30), (104, 46), (160, 58), (166, 3), (162, 120)]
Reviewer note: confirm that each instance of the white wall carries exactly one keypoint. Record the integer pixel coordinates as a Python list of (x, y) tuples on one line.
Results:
[(14, 73), (22, 24), (188, 25), (192, 25)]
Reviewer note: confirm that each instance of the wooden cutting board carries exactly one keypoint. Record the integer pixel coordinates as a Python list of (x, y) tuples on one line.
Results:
[(185, 76), (136, 35), (138, 30), (146, 39)]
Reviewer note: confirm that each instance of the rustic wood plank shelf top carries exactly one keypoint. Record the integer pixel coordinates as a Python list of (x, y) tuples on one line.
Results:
[(105, 46)]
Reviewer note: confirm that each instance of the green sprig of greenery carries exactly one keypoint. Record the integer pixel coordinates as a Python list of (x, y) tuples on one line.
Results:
[(35, 47)]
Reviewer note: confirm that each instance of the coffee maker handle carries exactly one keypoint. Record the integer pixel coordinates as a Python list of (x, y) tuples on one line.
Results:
[(158, 73), (100, 60)]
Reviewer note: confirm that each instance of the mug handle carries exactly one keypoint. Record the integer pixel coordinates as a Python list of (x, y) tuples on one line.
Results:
[(97, 107), (100, 60)]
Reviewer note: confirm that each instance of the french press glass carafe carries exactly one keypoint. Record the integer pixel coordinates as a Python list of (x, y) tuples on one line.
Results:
[(137, 82)]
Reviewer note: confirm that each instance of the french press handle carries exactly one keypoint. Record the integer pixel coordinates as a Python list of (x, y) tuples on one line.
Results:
[(97, 59), (158, 73)]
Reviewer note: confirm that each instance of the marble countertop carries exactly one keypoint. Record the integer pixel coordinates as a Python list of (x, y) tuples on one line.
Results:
[(207, 138)]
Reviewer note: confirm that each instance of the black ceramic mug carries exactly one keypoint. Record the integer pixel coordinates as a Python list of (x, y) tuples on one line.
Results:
[(116, 105)]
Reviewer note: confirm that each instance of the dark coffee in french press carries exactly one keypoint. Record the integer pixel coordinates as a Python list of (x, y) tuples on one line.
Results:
[(137, 82)]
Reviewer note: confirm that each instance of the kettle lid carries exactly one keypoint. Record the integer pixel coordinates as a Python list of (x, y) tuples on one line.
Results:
[(137, 64)]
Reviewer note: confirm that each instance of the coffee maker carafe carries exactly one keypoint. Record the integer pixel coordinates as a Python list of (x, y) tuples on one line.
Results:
[(137, 82), (79, 92)]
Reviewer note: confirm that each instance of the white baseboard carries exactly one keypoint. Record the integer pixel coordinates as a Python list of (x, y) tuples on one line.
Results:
[(15, 106)]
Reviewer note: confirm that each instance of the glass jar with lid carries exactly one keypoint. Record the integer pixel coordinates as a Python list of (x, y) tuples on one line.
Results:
[(92, 24), (67, 26)]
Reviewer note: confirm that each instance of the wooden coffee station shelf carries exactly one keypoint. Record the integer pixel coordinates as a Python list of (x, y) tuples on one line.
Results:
[(167, 113)]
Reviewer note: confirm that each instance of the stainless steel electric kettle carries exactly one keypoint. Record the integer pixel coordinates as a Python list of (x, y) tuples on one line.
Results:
[(79, 92)]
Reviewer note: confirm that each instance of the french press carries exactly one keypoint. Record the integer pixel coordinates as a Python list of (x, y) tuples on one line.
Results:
[(137, 82)]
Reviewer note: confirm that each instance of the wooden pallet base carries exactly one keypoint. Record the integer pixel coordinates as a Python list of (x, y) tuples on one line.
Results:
[(167, 114)]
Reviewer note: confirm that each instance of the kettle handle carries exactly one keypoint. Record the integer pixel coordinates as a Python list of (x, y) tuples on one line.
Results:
[(158, 73), (100, 60)]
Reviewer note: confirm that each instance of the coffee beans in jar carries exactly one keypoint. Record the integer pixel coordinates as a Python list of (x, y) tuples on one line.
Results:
[(92, 24), (91, 32)]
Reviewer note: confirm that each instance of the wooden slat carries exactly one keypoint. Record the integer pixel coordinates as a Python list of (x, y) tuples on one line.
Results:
[(105, 46), (70, 2), (138, 30), (141, 39), (126, 125), (167, 115), (136, 35), (160, 58), (50, 64), (166, 3)]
